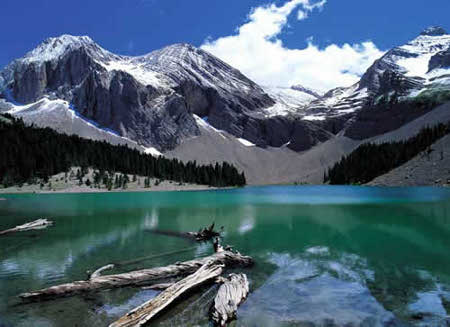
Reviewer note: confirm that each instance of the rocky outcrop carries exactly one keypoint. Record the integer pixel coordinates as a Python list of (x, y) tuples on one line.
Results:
[(440, 60), (385, 75), (434, 31)]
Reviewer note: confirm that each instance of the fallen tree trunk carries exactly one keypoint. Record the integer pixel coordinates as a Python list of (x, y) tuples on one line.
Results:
[(154, 256), (231, 294), (147, 311), (139, 277), (34, 225)]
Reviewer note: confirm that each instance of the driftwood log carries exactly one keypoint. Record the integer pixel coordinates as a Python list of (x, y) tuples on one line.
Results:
[(147, 311), (139, 277), (231, 294), (34, 225)]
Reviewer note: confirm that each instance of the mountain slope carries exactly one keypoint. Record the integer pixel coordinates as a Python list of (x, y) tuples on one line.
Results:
[(423, 170), (149, 99), (419, 67)]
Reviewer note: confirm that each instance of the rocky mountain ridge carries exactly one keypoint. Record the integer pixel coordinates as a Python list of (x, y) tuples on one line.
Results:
[(160, 101)]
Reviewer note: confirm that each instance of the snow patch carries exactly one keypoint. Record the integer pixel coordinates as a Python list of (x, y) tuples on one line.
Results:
[(203, 122), (245, 142), (53, 48), (288, 100), (152, 151), (415, 66), (142, 74), (313, 117)]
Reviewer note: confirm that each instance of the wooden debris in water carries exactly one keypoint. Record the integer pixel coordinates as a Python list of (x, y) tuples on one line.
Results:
[(147, 311), (158, 287), (34, 225), (203, 234), (98, 272), (138, 277), (231, 294), (154, 256)]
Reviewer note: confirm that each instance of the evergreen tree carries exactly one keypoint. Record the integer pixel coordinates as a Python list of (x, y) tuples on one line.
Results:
[(370, 160), (37, 153)]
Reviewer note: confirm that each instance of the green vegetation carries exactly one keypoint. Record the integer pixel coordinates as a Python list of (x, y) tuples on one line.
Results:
[(434, 97), (31, 155), (370, 160)]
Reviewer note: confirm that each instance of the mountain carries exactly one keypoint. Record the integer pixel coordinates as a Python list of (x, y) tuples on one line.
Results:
[(186, 103), (420, 66), (150, 99)]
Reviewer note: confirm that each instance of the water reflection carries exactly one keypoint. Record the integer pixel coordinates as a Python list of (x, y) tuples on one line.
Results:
[(312, 289), (369, 257)]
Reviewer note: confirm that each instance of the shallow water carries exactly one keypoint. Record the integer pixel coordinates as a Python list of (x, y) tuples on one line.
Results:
[(325, 256)]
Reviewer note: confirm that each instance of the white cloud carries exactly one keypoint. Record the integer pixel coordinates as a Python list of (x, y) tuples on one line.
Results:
[(301, 15), (257, 50)]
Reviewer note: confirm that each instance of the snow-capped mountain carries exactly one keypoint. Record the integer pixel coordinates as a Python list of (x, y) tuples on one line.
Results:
[(289, 100), (421, 65), (157, 101), (150, 99)]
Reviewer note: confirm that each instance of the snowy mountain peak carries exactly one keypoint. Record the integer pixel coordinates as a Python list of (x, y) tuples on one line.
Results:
[(54, 47), (434, 31)]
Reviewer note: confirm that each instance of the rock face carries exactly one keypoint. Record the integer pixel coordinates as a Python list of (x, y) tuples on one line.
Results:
[(440, 60), (149, 99), (434, 31)]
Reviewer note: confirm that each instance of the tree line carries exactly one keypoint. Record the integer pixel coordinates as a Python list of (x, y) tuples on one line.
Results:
[(371, 160), (31, 154)]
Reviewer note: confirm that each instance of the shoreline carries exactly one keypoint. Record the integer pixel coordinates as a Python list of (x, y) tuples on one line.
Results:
[(68, 183), (176, 188)]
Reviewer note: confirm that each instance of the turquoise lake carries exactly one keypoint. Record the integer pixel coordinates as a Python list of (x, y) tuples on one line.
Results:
[(325, 256)]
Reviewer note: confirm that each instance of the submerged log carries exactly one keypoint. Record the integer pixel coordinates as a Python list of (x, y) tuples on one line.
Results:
[(203, 234), (34, 225), (154, 256), (147, 311), (231, 294), (139, 277)]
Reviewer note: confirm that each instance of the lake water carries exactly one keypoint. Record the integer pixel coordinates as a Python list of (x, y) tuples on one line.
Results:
[(325, 256)]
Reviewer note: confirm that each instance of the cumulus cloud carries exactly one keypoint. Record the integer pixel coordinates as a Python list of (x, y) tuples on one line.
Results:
[(257, 50)]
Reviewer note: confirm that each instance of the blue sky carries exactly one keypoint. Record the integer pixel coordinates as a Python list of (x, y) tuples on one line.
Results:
[(136, 27)]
